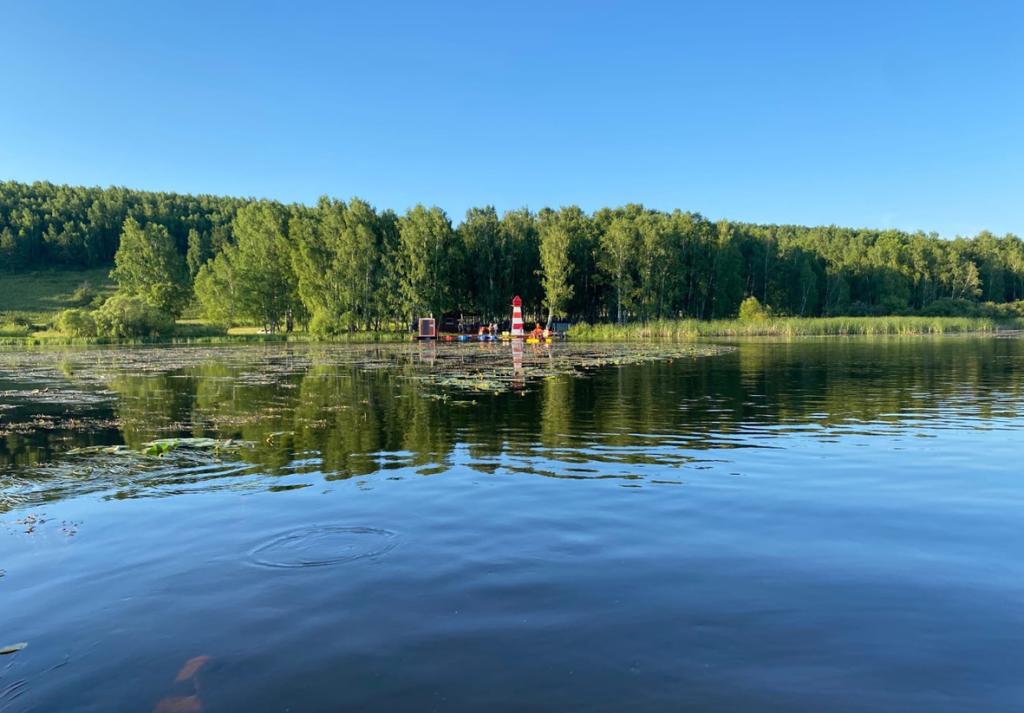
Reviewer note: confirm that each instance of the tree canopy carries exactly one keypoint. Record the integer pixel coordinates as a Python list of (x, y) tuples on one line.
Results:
[(253, 279), (148, 266)]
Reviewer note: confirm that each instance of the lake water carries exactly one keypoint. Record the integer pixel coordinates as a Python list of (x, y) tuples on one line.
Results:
[(809, 525)]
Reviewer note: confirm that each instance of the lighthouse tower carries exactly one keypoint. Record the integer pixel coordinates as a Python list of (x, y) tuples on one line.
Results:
[(517, 316)]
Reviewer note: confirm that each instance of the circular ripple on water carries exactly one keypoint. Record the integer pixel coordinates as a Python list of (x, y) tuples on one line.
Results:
[(322, 546)]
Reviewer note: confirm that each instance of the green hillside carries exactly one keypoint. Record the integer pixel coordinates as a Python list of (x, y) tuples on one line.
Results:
[(32, 298)]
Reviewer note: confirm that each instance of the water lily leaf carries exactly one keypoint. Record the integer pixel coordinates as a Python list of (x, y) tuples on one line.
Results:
[(89, 450), (165, 445)]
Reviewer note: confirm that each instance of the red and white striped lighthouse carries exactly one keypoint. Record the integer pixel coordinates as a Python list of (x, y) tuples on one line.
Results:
[(517, 316)]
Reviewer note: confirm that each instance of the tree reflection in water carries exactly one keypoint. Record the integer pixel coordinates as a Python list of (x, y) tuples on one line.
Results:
[(357, 412)]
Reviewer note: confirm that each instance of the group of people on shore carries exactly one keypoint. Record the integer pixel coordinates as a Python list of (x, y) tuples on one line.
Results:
[(538, 331)]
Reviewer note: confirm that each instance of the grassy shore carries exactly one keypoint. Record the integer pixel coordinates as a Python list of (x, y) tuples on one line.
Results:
[(189, 334), (35, 297), (30, 301), (791, 327)]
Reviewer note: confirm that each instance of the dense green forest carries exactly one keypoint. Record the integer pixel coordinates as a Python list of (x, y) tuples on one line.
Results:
[(344, 265)]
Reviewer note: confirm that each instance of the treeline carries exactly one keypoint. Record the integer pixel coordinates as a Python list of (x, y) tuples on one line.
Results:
[(341, 266), (43, 225)]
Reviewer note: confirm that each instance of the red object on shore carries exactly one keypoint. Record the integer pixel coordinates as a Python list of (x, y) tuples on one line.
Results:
[(517, 316)]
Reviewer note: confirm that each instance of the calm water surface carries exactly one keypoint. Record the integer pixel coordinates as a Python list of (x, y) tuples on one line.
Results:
[(814, 525)]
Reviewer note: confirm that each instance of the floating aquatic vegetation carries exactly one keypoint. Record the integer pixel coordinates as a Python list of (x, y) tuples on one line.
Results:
[(108, 450), (498, 367), (52, 395), (154, 420), (31, 521), (162, 446), (46, 390), (122, 472)]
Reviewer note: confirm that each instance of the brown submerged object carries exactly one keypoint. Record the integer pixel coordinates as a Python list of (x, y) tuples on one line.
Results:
[(185, 704)]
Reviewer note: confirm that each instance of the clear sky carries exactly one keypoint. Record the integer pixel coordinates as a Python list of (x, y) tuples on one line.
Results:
[(882, 114)]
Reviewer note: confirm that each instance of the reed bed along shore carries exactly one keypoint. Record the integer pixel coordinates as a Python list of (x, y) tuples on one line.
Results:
[(792, 327)]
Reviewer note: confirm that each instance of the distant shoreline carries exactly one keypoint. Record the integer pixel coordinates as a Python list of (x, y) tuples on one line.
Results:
[(667, 330)]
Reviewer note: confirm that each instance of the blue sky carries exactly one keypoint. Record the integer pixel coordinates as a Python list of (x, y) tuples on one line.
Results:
[(887, 114)]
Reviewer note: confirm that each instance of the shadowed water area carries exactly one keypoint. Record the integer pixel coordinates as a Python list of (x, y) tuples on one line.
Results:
[(805, 525)]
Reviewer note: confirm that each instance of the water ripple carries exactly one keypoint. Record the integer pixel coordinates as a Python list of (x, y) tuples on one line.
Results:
[(322, 546)]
